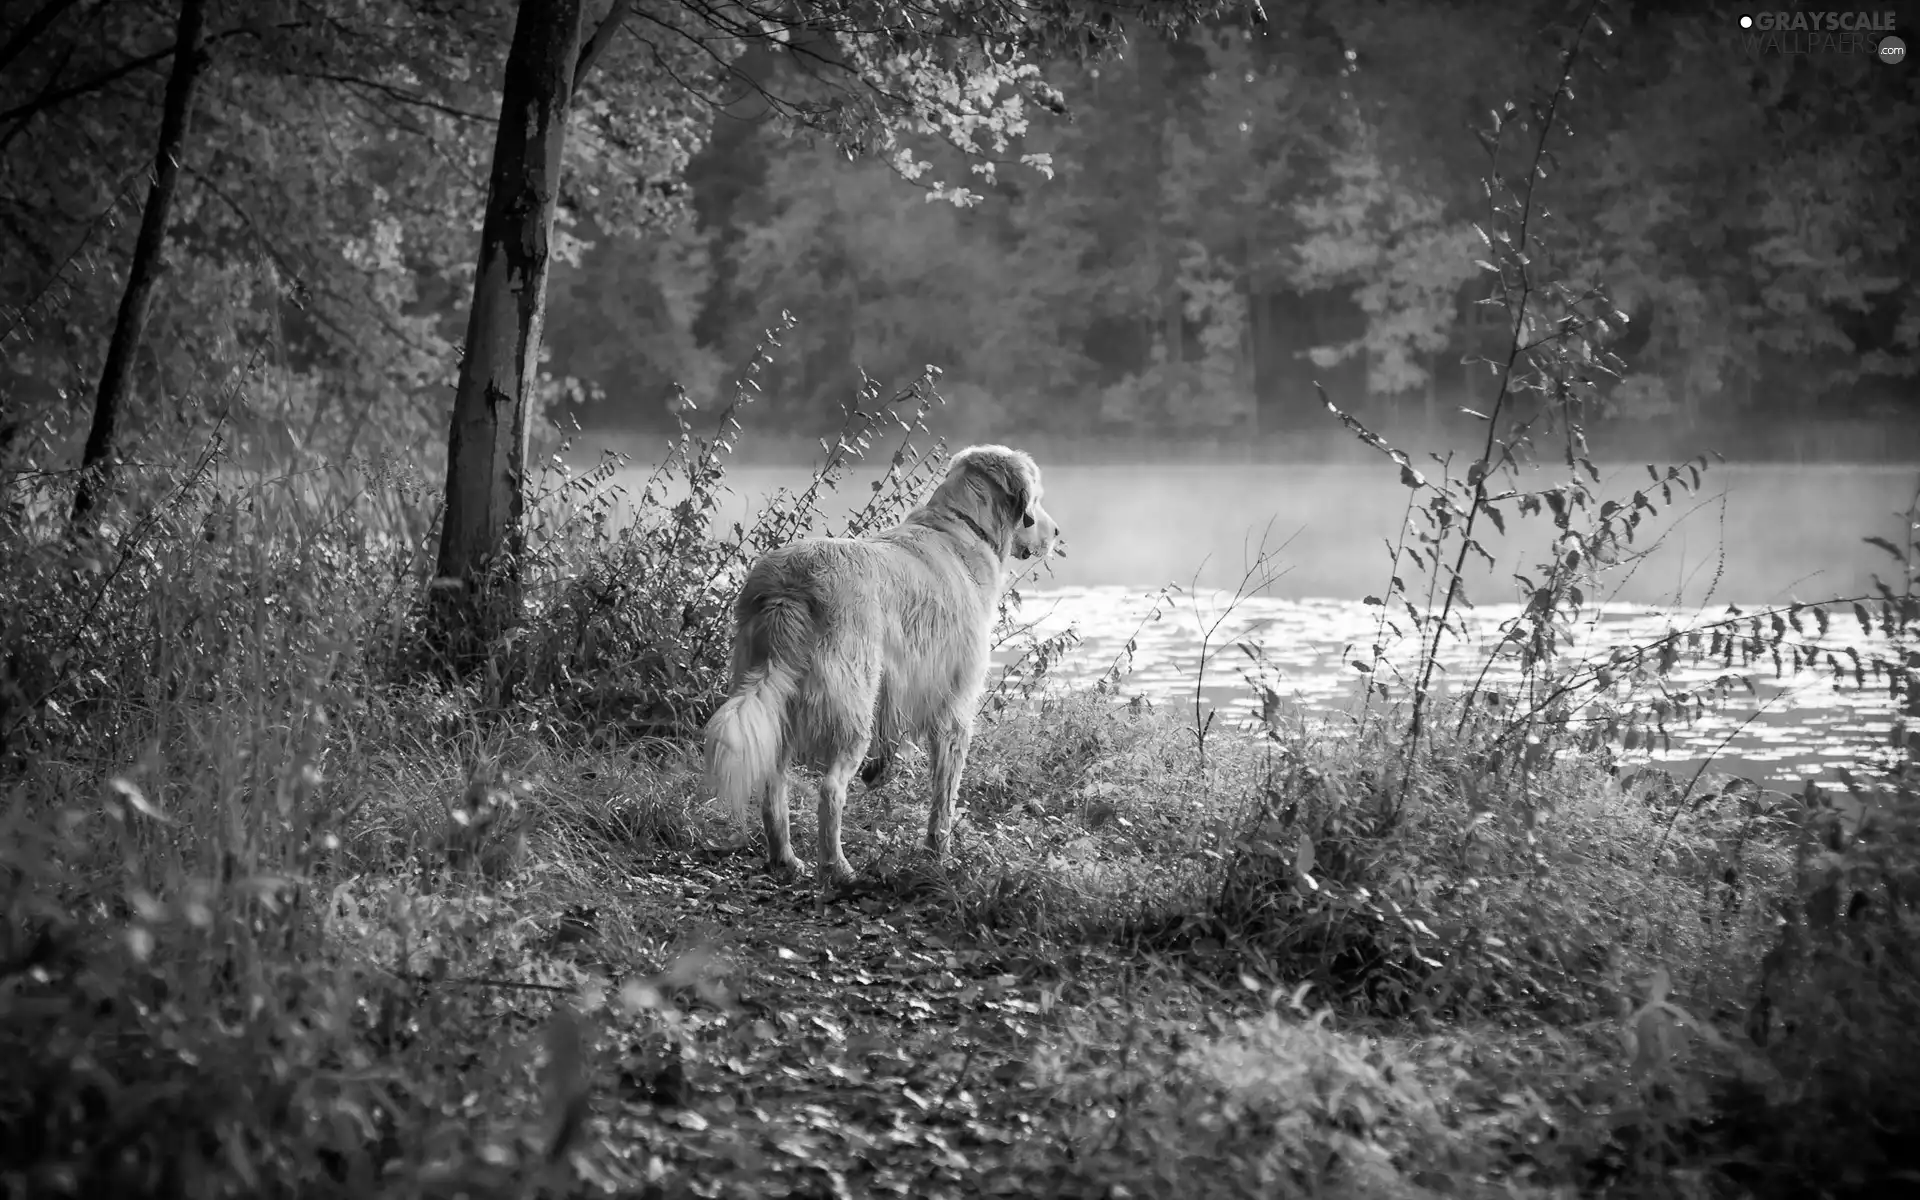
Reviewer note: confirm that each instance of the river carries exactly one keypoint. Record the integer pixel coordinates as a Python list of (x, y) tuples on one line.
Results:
[(1754, 536)]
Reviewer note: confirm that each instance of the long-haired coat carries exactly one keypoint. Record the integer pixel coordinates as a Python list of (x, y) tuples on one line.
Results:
[(845, 643)]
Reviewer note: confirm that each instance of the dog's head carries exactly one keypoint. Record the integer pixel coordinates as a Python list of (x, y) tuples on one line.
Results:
[(1007, 485)]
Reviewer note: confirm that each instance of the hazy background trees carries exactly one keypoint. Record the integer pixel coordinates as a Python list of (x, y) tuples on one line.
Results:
[(1223, 219), (1235, 214)]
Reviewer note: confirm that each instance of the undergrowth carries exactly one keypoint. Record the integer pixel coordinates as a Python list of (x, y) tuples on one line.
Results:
[(283, 915)]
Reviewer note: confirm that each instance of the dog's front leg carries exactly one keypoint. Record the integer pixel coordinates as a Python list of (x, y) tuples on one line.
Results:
[(949, 753)]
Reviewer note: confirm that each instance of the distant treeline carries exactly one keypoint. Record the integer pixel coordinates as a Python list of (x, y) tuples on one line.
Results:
[(1232, 217), (1209, 226)]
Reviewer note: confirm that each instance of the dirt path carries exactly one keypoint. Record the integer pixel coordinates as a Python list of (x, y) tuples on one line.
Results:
[(855, 1053)]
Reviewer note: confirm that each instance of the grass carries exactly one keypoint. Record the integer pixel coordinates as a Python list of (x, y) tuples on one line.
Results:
[(284, 918)]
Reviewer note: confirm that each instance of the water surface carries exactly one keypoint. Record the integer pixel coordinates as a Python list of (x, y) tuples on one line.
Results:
[(1788, 728), (1754, 536)]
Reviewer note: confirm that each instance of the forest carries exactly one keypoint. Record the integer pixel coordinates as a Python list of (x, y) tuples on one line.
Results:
[(1209, 225), (375, 382), (1229, 217)]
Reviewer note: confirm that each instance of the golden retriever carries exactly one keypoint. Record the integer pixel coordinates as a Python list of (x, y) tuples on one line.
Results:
[(845, 644)]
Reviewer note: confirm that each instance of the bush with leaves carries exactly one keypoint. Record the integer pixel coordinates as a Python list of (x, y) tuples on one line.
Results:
[(206, 577), (185, 702), (1837, 1002), (269, 922), (1409, 868)]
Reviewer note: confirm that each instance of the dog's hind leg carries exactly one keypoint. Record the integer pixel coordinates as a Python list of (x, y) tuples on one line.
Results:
[(884, 746), (839, 705), (948, 747), (833, 865), (781, 860)]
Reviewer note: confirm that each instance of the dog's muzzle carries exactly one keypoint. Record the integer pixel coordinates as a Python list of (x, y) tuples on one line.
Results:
[(1059, 550)]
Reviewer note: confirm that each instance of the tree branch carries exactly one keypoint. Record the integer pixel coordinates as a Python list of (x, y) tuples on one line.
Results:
[(34, 26), (48, 100), (293, 277), (397, 93), (597, 44)]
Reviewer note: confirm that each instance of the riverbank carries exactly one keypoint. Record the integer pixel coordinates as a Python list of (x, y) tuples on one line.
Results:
[(289, 912), (1145, 973)]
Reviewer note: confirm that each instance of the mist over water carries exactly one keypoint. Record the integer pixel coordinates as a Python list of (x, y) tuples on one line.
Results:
[(1753, 536)]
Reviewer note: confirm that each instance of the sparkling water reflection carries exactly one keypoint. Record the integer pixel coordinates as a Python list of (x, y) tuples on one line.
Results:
[(1791, 727)]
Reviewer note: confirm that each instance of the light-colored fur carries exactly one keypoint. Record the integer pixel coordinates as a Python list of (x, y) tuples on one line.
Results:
[(846, 644)]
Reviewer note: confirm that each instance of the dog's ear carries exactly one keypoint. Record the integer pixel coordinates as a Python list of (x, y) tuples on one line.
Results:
[(1003, 469)]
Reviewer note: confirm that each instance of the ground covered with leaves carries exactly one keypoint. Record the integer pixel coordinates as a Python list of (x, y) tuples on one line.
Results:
[(863, 1051), (758, 1047), (497, 964)]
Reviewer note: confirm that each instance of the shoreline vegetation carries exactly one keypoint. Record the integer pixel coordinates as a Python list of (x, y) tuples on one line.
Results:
[(285, 915)]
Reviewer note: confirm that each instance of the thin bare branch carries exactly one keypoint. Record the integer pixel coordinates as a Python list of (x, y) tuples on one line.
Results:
[(597, 44), (398, 93), (32, 28)]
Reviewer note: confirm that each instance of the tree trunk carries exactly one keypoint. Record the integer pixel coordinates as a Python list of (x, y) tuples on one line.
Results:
[(116, 377), (481, 537)]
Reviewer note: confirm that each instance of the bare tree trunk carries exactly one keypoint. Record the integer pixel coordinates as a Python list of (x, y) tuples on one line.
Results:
[(481, 536), (116, 377)]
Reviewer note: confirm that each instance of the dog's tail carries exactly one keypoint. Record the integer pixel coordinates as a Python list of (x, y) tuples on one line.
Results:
[(746, 735)]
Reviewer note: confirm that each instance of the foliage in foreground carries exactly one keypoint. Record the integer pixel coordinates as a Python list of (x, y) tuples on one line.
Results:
[(282, 917)]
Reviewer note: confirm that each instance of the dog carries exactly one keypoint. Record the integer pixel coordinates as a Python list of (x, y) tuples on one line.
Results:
[(845, 645)]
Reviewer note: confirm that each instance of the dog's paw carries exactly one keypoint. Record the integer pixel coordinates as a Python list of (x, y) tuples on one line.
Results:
[(840, 874), (786, 869)]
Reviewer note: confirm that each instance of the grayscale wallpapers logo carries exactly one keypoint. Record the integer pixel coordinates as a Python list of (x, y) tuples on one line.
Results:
[(1822, 33)]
